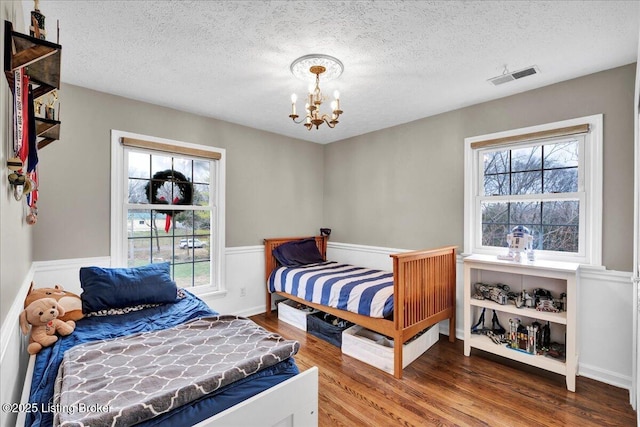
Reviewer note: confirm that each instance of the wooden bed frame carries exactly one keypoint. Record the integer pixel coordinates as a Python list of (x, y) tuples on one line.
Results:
[(424, 293)]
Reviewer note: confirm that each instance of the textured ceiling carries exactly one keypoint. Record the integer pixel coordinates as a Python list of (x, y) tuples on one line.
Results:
[(403, 60)]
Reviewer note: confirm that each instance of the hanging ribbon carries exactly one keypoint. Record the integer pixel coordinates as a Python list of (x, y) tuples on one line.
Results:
[(20, 132), (32, 175), (18, 111), (33, 146), (23, 153)]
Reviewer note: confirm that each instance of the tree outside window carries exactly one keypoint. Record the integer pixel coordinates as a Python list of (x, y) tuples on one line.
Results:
[(535, 186)]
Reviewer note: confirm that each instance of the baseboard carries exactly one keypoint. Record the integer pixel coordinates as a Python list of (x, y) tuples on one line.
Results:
[(251, 311), (605, 376)]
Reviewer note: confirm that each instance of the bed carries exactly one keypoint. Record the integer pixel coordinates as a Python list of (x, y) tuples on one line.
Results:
[(167, 363), (420, 292)]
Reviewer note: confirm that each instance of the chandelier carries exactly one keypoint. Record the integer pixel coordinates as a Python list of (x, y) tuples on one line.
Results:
[(310, 67)]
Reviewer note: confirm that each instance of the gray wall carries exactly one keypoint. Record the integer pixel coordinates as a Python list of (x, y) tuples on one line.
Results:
[(274, 183), (15, 234), (402, 187)]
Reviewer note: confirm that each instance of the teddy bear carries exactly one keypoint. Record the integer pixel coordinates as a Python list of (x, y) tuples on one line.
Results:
[(70, 302), (42, 315)]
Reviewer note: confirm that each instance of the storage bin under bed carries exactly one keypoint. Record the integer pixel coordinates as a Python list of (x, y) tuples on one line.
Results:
[(327, 327), (377, 350), (294, 313)]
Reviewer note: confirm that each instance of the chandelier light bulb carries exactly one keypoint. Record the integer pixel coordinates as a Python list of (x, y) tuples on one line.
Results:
[(294, 98), (336, 94)]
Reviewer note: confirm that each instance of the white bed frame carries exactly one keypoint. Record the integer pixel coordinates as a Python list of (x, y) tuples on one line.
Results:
[(265, 409)]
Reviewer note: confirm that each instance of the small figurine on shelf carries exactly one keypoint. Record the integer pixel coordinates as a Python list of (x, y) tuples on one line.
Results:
[(37, 23), (520, 240), (538, 328), (532, 332), (50, 109), (546, 337), (37, 107), (514, 325)]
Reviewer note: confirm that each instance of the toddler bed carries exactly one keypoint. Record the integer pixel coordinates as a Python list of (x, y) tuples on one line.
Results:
[(419, 293), (167, 360)]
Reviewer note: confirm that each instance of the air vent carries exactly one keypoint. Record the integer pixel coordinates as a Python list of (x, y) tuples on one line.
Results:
[(509, 77)]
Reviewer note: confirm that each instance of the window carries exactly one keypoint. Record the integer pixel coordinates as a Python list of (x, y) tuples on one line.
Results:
[(547, 178), (167, 207)]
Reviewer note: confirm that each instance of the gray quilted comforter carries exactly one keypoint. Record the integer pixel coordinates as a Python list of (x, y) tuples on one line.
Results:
[(124, 381)]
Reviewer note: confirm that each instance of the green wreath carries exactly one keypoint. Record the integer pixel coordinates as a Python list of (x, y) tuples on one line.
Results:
[(179, 180)]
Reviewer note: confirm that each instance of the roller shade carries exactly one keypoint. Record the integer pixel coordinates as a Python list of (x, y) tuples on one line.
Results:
[(551, 133), (170, 148)]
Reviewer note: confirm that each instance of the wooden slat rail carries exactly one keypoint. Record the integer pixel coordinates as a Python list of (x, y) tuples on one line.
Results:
[(424, 293), (425, 281)]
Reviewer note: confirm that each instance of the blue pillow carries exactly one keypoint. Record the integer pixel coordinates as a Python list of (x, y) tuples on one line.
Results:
[(105, 288), (297, 253)]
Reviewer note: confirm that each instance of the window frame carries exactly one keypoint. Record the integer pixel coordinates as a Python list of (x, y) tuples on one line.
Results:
[(589, 194), (119, 203)]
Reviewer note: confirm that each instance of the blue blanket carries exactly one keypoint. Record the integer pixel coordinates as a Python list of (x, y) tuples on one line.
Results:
[(102, 327), (343, 286)]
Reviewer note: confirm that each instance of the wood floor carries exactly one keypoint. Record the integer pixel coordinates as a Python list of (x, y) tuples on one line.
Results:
[(445, 388)]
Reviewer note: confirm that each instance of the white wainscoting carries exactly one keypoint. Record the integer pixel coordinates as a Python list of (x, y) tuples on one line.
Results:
[(65, 272), (604, 318), (13, 355), (605, 326), (245, 284)]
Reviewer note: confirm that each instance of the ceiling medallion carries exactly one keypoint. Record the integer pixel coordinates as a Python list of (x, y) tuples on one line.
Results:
[(309, 68)]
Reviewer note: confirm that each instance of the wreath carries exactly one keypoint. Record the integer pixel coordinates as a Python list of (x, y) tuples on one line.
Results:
[(185, 196)]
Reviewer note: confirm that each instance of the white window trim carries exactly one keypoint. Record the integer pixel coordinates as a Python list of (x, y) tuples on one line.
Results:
[(118, 202), (593, 177)]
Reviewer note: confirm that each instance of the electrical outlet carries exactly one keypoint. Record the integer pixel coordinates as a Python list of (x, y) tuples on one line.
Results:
[(243, 292)]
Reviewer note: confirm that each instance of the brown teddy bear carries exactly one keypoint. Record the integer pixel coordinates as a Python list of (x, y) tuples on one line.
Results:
[(42, 315), (70, 302)]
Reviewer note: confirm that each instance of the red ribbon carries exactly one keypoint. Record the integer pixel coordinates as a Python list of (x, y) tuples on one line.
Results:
[(167, 219), (24, 148)]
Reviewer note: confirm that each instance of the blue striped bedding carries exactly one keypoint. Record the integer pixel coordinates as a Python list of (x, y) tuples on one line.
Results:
[(346, 287)]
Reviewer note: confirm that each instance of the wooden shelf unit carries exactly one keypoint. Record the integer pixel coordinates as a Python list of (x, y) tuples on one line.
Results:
[(48, 130), (42, 59), (562, 276)]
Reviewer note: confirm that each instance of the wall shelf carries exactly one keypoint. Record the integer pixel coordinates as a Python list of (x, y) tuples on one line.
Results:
[(48, 130), (42, 61)]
